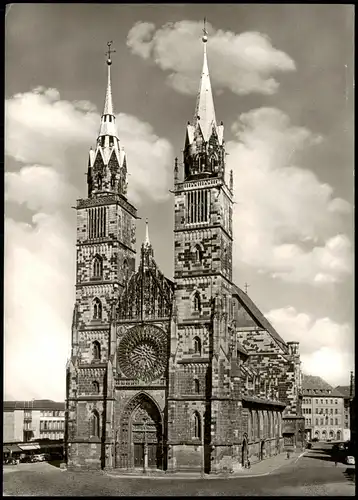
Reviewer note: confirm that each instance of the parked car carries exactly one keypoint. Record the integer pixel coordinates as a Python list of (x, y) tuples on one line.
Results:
[(39, 458), (11, 461), (350, 460), (26, 459)]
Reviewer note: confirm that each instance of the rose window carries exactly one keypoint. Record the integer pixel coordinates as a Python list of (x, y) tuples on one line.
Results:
[(142, 353)]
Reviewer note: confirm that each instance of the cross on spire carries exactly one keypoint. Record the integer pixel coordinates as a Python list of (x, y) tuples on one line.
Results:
[(109, 52), (246, 287), (205, 35)]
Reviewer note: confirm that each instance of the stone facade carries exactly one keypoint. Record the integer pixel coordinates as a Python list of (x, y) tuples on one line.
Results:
[(183, 374)]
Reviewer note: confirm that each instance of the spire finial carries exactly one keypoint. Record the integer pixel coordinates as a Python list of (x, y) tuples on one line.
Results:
[(108, 53), (205, 36), (147, 241)]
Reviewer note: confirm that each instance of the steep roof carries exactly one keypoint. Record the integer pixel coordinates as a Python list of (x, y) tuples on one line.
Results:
[(254, 311), (35, 404), (314, 382), (345, 390)]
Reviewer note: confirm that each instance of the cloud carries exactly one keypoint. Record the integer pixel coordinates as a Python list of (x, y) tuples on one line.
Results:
[(39, 298), (50, 138), (243, 63), (326, 347), (42, 129), (38, 188), (290, 220)]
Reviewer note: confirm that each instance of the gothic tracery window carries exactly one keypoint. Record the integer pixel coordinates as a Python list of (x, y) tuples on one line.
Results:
[(95, 387), (97, 309), (197, 345), (97, 267), (96, 350)]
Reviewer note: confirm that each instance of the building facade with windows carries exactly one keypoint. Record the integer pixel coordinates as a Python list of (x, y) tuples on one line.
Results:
[(176, 374), (324, 413), (26, 421)]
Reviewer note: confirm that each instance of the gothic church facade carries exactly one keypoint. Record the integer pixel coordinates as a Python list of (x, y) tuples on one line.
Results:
[(177, 374)]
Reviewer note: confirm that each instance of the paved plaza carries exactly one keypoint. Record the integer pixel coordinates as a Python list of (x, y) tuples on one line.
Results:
[(313, 474)]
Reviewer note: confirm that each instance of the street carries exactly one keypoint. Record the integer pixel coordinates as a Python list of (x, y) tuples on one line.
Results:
[(314, 474)]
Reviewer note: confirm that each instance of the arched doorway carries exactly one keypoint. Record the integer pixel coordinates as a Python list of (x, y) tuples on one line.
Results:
[(316, 434), (339, 435), (324, 435), (244, 454), (262, 450), (331, 434), (141, 435)]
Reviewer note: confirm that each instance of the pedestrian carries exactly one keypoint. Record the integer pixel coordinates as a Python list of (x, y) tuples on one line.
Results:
[(248, 464), (288, 455)]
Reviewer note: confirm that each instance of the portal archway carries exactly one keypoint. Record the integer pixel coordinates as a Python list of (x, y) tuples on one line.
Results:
[(140, 434), (339, 435)]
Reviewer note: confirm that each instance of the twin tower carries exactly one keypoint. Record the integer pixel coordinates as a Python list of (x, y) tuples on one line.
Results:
[(149, 382)]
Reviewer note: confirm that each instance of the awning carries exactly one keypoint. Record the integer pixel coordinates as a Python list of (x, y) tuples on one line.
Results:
[(29, 446)]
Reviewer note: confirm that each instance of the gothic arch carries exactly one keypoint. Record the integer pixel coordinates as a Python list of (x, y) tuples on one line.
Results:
[(97, 308), (129, 435), (197, 345), (196, 301), (97, 267), (196, 425)]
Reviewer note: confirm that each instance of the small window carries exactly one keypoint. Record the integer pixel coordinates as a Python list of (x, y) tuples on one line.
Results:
[(97, 267), (197, 302), (197, 345), (198, 254), (95, 387), (336, 401), (95, 423), (97, 309), (196, 386), (196, 425), (96, 350)]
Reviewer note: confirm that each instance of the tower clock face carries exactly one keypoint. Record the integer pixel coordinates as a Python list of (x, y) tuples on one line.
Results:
[(142, 353)]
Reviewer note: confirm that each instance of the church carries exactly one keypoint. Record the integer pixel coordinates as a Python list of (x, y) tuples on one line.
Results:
[(172, 374)]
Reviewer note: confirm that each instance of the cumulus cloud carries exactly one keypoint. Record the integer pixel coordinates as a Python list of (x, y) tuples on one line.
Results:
[(291, 220), (41, 128), (39, 297), (242, 63), (326, 347), (50, 138)]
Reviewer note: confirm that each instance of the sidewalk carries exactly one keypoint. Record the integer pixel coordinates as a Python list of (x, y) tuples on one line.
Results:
[(265, 467), (262, 468)]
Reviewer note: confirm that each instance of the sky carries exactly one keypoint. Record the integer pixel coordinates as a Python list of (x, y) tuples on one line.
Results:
[(282, 77)]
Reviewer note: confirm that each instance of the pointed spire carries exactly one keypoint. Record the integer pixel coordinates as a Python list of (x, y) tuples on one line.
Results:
[(204, 109), (108, 126), (108, 103), (147, 241)]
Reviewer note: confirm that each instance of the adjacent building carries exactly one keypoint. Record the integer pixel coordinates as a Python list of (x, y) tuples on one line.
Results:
[(27, 421), (178, 374), (324, 411)]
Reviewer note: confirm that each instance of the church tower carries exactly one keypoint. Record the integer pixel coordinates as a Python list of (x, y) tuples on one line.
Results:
[(106, 227), (203, 282)]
